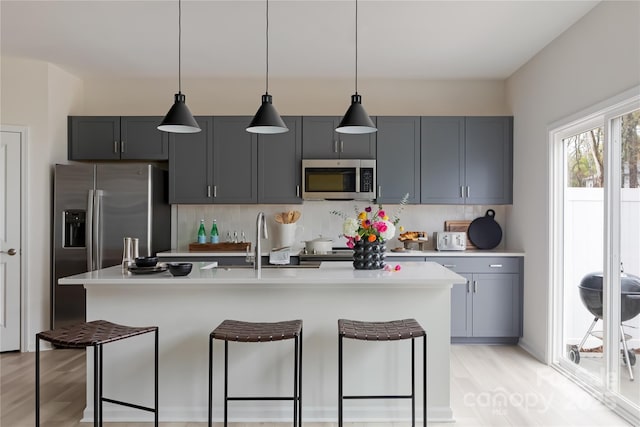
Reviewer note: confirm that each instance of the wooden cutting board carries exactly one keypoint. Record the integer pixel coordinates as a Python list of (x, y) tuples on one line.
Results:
[(459, 225), (219, 247)]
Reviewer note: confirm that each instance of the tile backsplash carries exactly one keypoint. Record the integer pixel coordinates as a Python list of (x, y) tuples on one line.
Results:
[(317, 220)]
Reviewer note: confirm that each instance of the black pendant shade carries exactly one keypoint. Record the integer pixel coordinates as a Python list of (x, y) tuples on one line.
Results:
[(267, 120), (356, 119), (179, 119)]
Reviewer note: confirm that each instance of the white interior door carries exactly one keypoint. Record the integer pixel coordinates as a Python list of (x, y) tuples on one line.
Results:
[(10, 240)]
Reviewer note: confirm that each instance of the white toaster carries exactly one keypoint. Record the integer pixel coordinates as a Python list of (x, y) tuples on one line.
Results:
[(451, 240)]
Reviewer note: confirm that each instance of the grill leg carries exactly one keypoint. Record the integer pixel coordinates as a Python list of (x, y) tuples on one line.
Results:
[(37, 381), (625, 348), (584, 340), (413, 382), (340, 381), (210, 381)]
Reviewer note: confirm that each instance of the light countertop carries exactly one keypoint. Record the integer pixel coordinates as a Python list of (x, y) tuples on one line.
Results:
[(329, 274), (183, 252)]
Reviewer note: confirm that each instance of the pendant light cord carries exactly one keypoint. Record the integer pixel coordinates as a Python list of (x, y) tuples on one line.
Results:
[(179, 46), (356, 47), (267, 58)]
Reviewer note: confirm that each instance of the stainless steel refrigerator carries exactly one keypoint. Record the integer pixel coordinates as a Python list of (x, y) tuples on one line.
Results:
[(94, 207)]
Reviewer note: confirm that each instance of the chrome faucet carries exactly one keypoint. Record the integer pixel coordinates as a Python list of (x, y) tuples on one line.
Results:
[(261, 232)]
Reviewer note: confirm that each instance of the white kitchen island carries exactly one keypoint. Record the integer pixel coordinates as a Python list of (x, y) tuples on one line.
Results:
[(187, 309)]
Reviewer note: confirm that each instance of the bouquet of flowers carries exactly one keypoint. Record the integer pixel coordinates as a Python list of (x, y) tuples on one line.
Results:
[(370, 225)]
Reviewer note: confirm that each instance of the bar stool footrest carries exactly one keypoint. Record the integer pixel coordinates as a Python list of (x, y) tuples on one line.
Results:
[(391, 396), (130, 405), (260, 398)]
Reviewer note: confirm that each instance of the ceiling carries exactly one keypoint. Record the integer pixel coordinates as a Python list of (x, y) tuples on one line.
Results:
[(396, 39)]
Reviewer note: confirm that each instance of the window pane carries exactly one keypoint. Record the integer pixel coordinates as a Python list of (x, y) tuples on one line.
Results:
[(585, 159)]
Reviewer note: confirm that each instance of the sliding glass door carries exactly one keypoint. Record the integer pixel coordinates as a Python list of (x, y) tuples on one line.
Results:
[(595, 253)]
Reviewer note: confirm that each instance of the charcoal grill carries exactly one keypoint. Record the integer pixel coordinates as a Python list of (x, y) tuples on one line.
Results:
[(591, 295)]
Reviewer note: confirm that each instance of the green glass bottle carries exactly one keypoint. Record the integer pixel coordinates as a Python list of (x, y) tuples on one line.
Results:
[(202, 234), (215, 238)]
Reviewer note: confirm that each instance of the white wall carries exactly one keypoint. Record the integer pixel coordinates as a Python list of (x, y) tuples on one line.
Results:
[(39, 96), (595, 59)]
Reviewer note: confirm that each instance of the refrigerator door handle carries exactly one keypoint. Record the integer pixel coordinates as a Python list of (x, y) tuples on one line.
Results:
[(97, 230), (89, 236)]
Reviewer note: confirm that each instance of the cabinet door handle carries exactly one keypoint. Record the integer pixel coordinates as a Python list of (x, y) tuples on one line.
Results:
[(379, 190), (341, 146), (468, 192), (461, 192), (297, 190), (335, 145), (122, 149), (475, 286), (115, 146), (209, 191), (468, 287), (495, 265), (215, 191), (449, 265)]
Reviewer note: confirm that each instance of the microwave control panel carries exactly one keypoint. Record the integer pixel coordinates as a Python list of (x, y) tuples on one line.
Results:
[(366, 180)]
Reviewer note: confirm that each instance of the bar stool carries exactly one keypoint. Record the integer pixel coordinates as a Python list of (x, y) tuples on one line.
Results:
[(385, 331), (96, 334), (255, 332)]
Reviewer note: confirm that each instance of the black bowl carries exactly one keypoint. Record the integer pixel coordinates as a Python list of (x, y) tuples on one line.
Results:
[(180, 268), (146, 261)]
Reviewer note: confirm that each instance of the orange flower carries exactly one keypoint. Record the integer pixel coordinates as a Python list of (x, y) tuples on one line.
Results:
[(372, 238)]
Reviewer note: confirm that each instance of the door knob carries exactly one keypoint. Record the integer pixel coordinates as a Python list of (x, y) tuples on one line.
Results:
[(9, 252)]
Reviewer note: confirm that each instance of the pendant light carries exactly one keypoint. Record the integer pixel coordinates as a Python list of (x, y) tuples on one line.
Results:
[(179, 119), (356, 120), (267, 120)]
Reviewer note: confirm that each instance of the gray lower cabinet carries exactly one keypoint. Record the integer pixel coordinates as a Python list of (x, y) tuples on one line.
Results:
[(223, 165), (466, 160), (321, 141), (279, 164), (398, 164), (488, 307), (116, 138)]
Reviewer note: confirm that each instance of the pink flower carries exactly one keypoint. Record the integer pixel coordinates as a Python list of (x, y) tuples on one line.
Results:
[(397, 267), (381, 213), (350, 244), (358, 238), (381, 227)]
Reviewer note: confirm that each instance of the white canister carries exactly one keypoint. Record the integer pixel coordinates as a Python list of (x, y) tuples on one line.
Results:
[(285, 234)]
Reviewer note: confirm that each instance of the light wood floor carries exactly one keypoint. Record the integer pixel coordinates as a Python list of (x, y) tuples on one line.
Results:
[(534, 394)]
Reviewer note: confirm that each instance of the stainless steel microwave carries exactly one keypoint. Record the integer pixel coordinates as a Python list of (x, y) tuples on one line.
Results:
[(339, 179)]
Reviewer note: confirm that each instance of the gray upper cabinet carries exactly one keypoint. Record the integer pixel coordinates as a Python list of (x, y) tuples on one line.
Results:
[(279, 164), (489, 160), (190, 165), (398, 164), (466, 160), (235, 161), (321, 141), (115, 138), (442, 160)]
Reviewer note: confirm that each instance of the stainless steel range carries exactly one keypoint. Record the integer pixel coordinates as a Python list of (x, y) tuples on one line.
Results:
[(336, 254)]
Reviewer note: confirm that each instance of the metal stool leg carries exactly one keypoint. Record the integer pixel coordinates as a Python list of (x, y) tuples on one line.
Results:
[(210, 381), (424, 380), (37, 381), (295, 381), (340, 381), (96, 391), (413, 383), (226, 389), (99, 349), (300, 383), (156, 380)]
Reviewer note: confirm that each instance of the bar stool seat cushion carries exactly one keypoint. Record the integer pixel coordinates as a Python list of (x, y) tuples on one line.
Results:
[(92, 333), (380, 331), (235, 330)]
